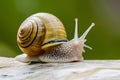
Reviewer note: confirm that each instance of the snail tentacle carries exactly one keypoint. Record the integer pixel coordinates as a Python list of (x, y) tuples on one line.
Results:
[(42, 38)]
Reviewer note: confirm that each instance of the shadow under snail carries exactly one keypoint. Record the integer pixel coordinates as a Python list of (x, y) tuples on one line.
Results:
[(42, 38)]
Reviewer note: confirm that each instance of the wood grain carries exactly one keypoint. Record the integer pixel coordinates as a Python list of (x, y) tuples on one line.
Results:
[(86, 70)]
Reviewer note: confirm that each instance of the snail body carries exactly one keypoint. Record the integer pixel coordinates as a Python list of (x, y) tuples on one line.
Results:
[(42, 38)]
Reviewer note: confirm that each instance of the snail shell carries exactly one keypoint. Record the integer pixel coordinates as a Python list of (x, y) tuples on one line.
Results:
[(42, 38), (39, 32)]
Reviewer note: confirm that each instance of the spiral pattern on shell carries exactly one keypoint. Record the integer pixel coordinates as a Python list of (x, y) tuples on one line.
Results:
[(40, 30), (28, 32)]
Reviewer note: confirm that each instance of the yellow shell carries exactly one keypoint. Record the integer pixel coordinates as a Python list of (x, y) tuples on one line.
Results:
[(40, 32)]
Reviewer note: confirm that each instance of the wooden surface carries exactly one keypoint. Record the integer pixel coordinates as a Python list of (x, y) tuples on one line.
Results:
[(86, 70)]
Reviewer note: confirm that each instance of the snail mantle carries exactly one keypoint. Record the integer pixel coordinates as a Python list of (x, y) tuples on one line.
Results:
[(11, 69)]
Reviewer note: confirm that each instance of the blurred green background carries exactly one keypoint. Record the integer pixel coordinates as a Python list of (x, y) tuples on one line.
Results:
[(104, 38)]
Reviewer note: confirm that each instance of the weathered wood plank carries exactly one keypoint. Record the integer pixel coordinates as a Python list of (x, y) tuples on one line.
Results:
[(86, 70)]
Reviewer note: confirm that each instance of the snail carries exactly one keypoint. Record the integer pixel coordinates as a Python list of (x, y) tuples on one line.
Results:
[(42, 38)]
